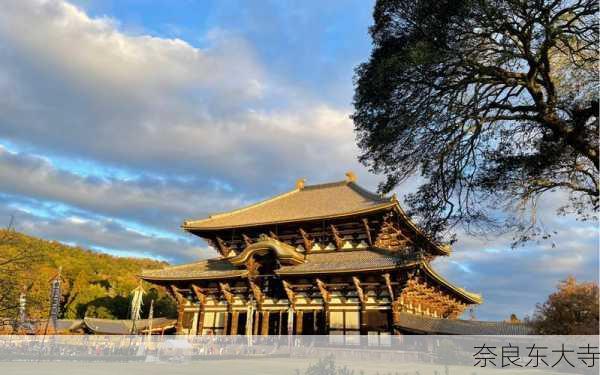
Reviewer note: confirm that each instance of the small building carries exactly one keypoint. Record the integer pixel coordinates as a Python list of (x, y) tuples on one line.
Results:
[(332, 259)]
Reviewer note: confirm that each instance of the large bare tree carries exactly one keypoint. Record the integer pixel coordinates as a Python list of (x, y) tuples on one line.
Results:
[(492, 102)]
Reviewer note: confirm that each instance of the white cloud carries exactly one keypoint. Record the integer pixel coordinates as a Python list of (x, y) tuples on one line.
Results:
[(80, 87)]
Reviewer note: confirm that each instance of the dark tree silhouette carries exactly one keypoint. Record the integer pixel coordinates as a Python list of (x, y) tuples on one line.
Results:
[(493, 103)]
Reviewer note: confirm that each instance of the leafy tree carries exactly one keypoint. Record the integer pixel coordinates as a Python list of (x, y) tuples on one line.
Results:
[(572, 310), (14, 266), (492, 102)]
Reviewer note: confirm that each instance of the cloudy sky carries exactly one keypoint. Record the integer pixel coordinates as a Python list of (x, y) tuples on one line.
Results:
[(119, 119)]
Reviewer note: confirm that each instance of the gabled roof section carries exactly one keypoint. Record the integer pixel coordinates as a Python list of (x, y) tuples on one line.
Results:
[(472, 298), (422, 324), (337, 199)]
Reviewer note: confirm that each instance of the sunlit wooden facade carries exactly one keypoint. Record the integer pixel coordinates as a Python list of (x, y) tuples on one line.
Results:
[(321, 259)]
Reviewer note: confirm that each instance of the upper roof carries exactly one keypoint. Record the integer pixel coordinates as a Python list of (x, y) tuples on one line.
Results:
[(336, 199)]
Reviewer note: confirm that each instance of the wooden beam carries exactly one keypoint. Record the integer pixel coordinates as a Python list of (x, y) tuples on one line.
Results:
[(308, 242), (180, 307), (359, 290), (200, 295), (339, 241), (367, 231), (326, 300), (388, 284), (222, 247), (258, 295), (247, 240), (177, 294), (323, 290), (252, 267), (290, 294), (226, 291)]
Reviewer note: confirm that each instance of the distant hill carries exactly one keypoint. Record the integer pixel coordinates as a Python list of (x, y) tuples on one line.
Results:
[(95, 285)]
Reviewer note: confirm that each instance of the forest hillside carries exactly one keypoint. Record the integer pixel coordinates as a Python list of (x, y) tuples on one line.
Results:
[(94, 284)]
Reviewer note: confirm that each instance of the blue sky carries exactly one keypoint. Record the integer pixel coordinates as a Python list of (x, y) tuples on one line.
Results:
[(120, 119)]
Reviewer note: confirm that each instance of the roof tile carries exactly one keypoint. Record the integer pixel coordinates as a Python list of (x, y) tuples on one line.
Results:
[(310, 202)]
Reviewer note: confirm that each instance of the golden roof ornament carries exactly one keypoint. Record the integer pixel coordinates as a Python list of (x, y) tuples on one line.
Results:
[(350, 176), (300, 183)]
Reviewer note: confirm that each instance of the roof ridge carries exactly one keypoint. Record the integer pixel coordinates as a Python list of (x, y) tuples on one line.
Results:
[(325, 185), (361, 190)]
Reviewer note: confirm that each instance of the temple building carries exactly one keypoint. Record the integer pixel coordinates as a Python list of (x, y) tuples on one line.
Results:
[(320, 259)]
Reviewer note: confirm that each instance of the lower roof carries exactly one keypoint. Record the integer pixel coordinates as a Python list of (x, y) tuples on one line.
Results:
[(335, 262), (123, 327), (427, 325), (322, 262)]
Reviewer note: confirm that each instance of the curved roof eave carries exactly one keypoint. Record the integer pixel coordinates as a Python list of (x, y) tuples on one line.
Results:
[(474, 298)]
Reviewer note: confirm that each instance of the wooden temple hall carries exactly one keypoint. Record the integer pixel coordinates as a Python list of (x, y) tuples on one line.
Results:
[(320, 259)]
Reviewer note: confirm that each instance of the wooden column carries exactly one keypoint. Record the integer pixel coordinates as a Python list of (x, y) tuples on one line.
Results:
[(201, 296), (226, 290), (226, 322), (364, 328), (280, 322), (235, 315), (265, 324), (255, 327), (180, 308), (326, 300), (299, 316)]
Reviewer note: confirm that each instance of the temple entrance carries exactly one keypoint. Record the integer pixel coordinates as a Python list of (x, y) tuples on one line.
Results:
[(278, 323), (313, 322)]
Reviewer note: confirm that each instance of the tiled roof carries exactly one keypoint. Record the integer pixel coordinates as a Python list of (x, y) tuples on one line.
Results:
[(421, 324), (204, 269), (335, 199), (357, 260), (123, 327), (68, 324), (338, 261)]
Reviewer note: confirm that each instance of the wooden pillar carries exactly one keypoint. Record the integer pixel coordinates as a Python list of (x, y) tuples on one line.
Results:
[(200, 323), (265, 323), (234, 322), (180, 312), (362, 297), (364, 327), (299, 316), (225, 322), (180, 308), (280, 323), (201, 296), (255, 326), (326, 299)]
